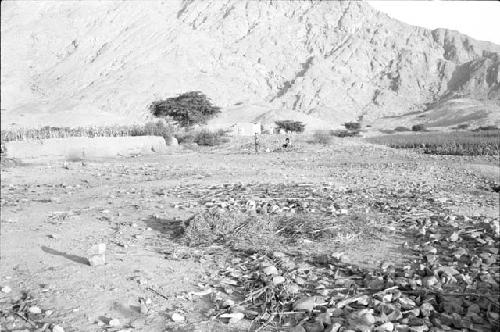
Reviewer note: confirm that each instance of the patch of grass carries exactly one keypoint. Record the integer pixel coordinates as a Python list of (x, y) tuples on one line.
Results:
[(454, 143)]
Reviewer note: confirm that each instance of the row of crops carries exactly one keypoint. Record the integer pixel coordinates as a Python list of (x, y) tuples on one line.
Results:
[(448, 143)]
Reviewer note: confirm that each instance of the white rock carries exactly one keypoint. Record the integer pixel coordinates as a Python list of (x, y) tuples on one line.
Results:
[(114, 323), (98, 249), (177, 318), (270, 270), (6, 289), (278, 280), (97, 260), (35, 310), (234, 317), (57, 328)]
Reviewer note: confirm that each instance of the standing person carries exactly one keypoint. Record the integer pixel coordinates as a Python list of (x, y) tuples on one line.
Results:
[(256, 143)]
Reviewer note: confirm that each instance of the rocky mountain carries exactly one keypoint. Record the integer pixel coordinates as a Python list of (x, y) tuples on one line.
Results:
[(325, 63)]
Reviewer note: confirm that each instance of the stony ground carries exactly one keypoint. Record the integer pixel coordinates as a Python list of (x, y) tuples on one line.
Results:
[(408, 242)]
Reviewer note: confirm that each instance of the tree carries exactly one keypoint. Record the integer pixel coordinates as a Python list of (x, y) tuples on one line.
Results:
[(418, 127), (354, 126), (188, 108), (290, 125)]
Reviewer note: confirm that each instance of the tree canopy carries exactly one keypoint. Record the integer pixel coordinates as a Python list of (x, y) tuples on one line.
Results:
[(188, 108), (290, 125)]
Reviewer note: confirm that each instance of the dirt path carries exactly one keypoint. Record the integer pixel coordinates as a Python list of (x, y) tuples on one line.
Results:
[(52, 215)]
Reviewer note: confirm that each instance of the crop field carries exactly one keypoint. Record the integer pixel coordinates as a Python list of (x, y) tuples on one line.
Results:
[(468, 143), (152, 128)]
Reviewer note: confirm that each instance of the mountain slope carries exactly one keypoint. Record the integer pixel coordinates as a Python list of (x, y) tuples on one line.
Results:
[(84, 63)]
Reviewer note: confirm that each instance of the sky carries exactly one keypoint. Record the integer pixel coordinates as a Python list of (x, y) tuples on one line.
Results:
[(478, 19)]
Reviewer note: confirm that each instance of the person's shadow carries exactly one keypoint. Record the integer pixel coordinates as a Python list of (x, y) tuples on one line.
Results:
[(74, 258)]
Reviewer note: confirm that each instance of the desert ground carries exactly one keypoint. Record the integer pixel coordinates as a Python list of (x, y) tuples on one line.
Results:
[(369, 232)]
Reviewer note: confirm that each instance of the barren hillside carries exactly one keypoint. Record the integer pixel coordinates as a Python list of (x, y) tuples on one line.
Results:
[(84, 63)]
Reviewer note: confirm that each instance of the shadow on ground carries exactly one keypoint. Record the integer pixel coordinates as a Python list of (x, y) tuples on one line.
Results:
[(74, 258), (173, 229)]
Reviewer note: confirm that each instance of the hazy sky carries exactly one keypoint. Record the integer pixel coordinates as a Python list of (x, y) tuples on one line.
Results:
[(478, 19)]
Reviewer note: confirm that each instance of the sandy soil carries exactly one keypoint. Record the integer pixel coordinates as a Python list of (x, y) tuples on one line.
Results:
[(52, 215)]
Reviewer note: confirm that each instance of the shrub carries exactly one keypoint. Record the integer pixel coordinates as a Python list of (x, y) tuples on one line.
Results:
[(353, 126), (290, 125), (418, 127), (211, 138), (344, 133), (188, 108), (487, 128), (401, 129), (322, 137), (462, 126)]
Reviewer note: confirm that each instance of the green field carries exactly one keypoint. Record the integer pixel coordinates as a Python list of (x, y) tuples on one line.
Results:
[(468, 143)]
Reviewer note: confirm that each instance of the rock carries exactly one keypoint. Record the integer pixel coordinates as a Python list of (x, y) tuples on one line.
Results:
[(99, 249), (313, 326), (143, 308), (426, 309), (385, 327), (97, 260), (362, 320), (278, 280), (233, 317), (473, 309), (335, 327), (406, 303), (401, 328), (35, 310), (114, 322), (324, 318), (307, 303), (177, 318), (54, 236), (6, 289), (292, 288), (57, 328), (96, 255), (270, 270), (421, 328), (429, 281)]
